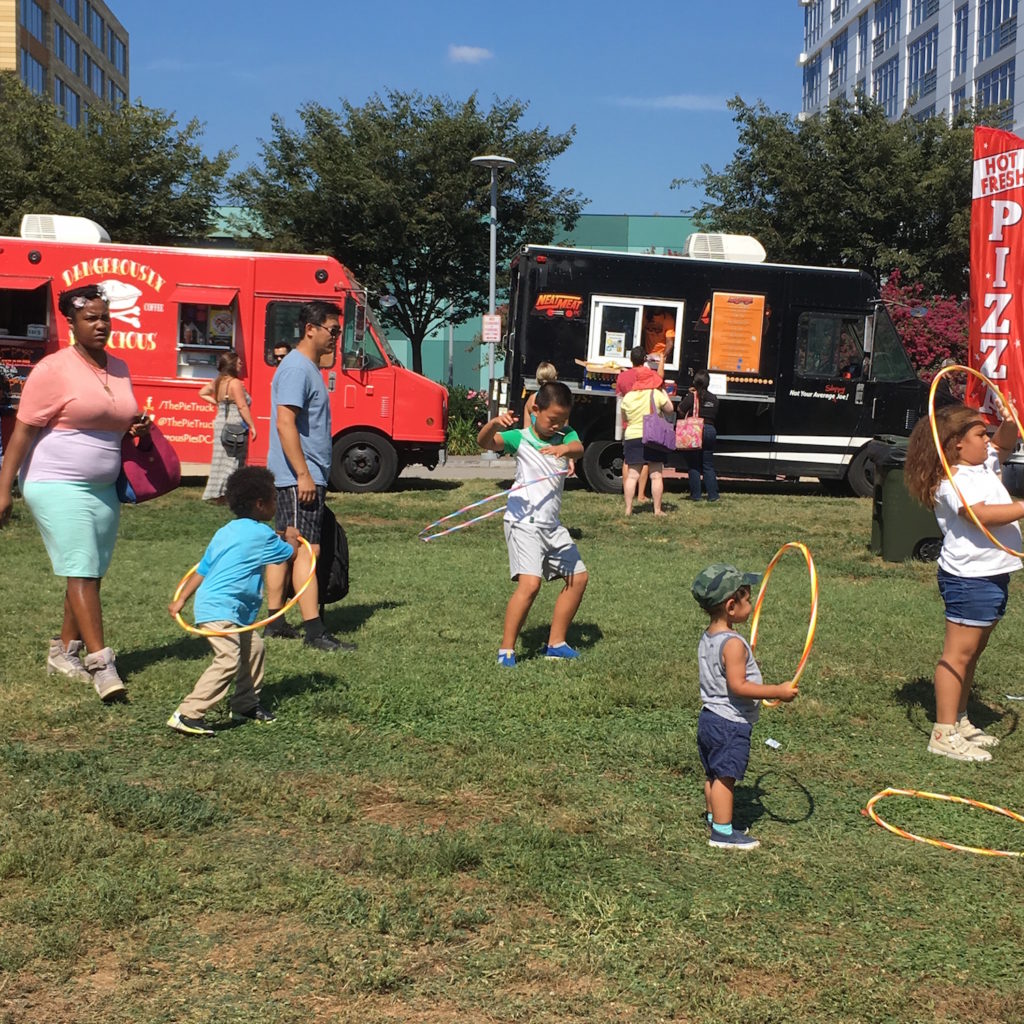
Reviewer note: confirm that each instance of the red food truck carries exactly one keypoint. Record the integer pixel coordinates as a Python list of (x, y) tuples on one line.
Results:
[(175, 311)]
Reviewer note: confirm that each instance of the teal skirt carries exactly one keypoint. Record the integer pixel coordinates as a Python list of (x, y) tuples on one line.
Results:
[(78, 522)]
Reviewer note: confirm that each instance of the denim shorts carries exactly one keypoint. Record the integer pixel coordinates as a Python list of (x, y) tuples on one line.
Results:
[(636, 453), (974, 600), (723, 745)]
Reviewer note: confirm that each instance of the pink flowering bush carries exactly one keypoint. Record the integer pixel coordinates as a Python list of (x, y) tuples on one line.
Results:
[(940, 334)]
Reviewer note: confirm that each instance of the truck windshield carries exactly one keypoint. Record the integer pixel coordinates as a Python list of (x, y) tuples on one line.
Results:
[(382, 338), (889, 360)]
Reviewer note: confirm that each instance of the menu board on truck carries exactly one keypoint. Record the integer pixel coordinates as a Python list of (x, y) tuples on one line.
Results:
[(16, 360), (737, 324)]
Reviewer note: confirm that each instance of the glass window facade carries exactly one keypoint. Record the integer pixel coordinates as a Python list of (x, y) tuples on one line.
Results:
[(922, 55), (997, 87), (70, 8), (812, 83), (813, 18), (68, 100), (117, 96), (886, 86), (960, 40), (887, 24), (997, 26), (118, 53), (65, 47), (837, 77), (33, 74), (30, 14), (94, 25), (862, 42), (921, 10)]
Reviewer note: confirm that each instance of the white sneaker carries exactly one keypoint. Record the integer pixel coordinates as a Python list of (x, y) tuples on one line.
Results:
[(955, 746), (974, 734), (67, 660), (107, 683)]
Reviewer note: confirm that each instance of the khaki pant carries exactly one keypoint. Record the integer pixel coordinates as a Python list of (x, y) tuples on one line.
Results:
[(240, 656)]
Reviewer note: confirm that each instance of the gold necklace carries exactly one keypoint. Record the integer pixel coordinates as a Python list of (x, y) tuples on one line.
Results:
[(96, 370)]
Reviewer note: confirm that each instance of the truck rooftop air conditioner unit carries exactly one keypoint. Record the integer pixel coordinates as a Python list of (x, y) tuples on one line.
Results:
[(51, 227), (729, 248)]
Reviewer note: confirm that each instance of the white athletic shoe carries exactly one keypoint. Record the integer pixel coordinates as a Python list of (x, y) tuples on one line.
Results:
[(955, 746)]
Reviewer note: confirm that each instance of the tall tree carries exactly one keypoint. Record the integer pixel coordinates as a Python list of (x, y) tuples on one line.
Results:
[(132, 169), (849, 188), (388, 188)]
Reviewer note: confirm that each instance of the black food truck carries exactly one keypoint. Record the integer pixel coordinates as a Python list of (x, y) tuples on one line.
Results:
[(805, 360)]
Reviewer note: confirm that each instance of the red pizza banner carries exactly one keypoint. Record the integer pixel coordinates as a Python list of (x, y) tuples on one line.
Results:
[(997, 268)]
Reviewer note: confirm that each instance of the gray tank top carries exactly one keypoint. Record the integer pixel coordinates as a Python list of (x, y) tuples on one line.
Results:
[(714, 691)]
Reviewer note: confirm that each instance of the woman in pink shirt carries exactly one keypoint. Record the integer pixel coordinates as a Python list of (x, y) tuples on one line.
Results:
[(76, 406)]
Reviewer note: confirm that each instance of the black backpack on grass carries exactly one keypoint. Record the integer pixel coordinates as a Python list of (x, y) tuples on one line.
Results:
[(332, 565)]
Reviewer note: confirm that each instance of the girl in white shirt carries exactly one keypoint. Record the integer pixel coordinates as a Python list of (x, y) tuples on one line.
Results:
[(973, 572)]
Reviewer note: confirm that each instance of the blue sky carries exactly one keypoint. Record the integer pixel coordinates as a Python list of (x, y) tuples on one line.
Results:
[(645, 83)]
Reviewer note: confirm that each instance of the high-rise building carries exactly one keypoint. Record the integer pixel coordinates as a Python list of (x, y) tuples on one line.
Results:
[(74, 51), (923, 56)]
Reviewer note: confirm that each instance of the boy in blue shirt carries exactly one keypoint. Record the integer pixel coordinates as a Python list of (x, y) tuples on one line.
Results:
[(228, 585), (539, 547), (731, 691)]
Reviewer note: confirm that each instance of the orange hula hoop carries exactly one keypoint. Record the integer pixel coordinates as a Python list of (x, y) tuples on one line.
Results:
[(256, 625), (1006, 407), (981, 850), (812, 624)]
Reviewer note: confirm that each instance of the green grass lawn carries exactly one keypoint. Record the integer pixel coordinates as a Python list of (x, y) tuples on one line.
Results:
[(425, 837)]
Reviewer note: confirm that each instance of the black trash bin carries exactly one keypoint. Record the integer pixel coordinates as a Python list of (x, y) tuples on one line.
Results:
[(901, 527)]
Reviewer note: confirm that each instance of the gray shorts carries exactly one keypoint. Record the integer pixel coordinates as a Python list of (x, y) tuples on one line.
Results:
[(307, 519), (548, 552)]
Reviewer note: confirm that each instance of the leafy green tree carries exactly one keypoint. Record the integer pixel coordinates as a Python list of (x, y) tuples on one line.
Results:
[(145, 179), (849, 188), (388, 188), (132, 170)]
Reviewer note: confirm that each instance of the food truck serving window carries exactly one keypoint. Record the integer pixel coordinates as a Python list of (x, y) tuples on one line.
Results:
[(618, 325), (23, 333), (207, 324)]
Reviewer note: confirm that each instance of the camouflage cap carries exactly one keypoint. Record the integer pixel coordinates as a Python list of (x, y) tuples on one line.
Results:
[(718, 582)]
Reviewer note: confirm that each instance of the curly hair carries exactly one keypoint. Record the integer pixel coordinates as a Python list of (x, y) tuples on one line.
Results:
[(246, 486), (923, 471)]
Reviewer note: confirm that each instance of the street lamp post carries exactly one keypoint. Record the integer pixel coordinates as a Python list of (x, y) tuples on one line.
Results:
[(495, 164)]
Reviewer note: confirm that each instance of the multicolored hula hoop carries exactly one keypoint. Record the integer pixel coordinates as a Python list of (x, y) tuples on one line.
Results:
[(1007, 407), (813, 622), (256, 625), (983, 851), (426, 535)]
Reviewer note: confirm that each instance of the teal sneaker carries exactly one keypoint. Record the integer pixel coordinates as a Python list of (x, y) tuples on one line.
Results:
[(563, 652)]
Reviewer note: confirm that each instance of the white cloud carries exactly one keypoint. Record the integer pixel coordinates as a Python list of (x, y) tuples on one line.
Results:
[(468, 54), (681, 101)]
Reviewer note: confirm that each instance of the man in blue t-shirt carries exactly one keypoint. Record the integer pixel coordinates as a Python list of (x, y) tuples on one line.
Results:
[(300, 459)]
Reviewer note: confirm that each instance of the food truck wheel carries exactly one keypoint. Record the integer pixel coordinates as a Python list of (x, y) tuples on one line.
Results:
[(363, 461), (602, 466), (861, 473)]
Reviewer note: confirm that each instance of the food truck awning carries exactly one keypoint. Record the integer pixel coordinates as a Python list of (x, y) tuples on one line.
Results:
[(204, 295), (20, 283)]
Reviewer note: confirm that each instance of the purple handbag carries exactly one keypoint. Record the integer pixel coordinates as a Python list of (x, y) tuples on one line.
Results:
[(657, 430), (149, 467)]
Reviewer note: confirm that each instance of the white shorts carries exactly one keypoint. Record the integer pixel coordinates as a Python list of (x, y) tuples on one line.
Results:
[(548, 552)]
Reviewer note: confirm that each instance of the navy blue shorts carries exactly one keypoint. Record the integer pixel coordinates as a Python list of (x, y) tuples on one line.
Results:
[(974, 600), (636, 453), (724, 745)]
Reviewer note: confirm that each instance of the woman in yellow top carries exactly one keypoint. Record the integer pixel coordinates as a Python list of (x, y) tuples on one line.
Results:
[(635, 406)]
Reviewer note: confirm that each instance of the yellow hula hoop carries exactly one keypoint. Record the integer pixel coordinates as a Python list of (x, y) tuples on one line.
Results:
[(256, 625), (1007, 408), (983, 851), (812, 624)]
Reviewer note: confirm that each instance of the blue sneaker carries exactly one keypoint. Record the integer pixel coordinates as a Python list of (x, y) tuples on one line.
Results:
[(562, 652), (507, 659), (734, 841)]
